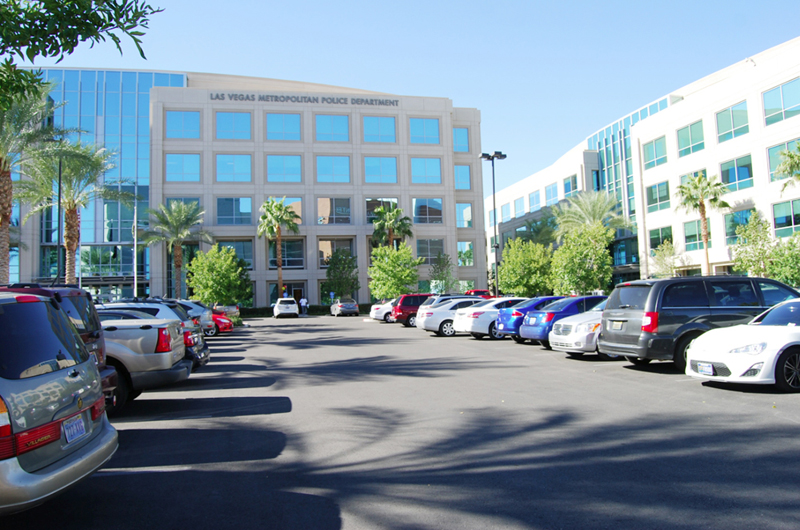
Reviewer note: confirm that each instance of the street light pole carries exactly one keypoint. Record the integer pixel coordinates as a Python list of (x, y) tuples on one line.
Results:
[(496, 156), (58, 243)]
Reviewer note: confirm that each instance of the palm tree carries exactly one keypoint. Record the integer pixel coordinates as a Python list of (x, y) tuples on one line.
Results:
[(587, 208), (174, 225), (390, 222), (275, 218), (82, 170), (789, 167), (542, 230), (693, 196)]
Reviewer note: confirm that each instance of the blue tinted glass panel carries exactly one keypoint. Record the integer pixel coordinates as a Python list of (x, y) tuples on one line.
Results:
[(233, 125), (382, 170), (183, 167), (333, 128), (333, 169), (424, 130), (426, 171), (461, 140), (161, 79), (283, 168), (464, 215), (233, 168), (462, 176), (183, 124), (379, 129), (283, 126)]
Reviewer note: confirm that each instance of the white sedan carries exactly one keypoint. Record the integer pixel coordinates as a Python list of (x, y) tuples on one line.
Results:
[(286, 307), (382, 310), (764, 352), (479, 319), (577, 334), (439, 317)]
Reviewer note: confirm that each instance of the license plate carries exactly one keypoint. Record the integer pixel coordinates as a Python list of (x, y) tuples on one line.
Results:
[(705, 368), (616, 325), (501, 326), (74, 428)]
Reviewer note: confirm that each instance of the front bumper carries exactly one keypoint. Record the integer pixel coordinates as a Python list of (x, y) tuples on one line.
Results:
[(731, 368), (574, 342)]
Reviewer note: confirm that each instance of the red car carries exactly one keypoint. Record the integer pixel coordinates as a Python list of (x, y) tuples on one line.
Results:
[(405, 308), (222, 324), (483, 293)]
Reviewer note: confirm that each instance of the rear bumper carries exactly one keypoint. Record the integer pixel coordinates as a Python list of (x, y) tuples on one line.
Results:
[(109, 379), (20, 490), (179, 372), (534, 332), (198, 355), (646, 348)]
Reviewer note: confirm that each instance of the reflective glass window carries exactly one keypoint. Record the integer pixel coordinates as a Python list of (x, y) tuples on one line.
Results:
[(234, 168), (332, 211), (233, 125), (655, 153), (505, 212), (294, 203), (782, 102), (292, 254), (462, 177), (284, 168), (182, 167), (283, 127), (333, 169), (373, 203), (424, 130), (235, 211), (694, 174), (570, 186), (535, 201), (690, 139), (243, 249), (326, 248), (737, 174), (426, 171), (774, 154), (492, 217), (466, 255), (732, 122), (693, 235), (786, 218), (380, 170), (519, 207), (460, 140), (429, 249), (734, 220), (659, 235), (658, 197), (428, 211), (551, 194), (464, 215), (379, 129), (333, 128)]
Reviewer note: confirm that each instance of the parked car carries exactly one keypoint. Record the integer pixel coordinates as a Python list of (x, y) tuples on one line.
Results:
[(405, 308), (285, 307), (344, 306), (439, 317), (382, 310), (765, 351), (577, 334), (435, 299), (201, 311), (537, 325), (230, 311), (509, 319), (222, 324), (483, 293), (53, 426), (479, 319), (657, 319)]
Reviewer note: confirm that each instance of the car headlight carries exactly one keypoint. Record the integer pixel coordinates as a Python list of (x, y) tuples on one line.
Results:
[(751, 349), (586, 328)]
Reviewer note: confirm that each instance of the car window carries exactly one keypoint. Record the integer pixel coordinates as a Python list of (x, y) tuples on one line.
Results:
[(592, 302), (629, 297), (774, 293), (688, 294), (81, 312), (787, 314), (732, 293), (543, 303), (109, 316), (522, 303), (558, 305), (465, 303), (152, 311), (429, 301), (600, 306), (183, 315), (286, 302), (483, 303)]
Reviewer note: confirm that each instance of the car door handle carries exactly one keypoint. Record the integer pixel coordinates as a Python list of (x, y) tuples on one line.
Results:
[(74, 373), (111, 328), (146, 326)]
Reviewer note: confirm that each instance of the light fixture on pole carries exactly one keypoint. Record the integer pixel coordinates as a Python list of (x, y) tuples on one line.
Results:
[(497, 155)]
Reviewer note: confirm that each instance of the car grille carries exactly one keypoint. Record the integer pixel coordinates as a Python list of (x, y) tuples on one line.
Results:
[(559, 329), (719, 369)]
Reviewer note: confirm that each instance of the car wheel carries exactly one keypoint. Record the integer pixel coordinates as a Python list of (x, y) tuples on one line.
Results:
[(412, 321), (211, 332), (679, 357), (787, 371), (638, 361), (387, 317), (123, 390), (478, 336), (493, 334), (446, 329), (133, 394), (518, 339), (545, 344)]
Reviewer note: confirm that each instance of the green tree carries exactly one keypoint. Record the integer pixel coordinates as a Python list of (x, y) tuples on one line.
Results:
[(664, 260), (393, 271), (341, 274), (542, 230), (219, 276), (582, 264), (790, 166), (37, 28), (587, 208), (785, 257), (700, 194), (390, 223), (276, 217), (82, 170), (441, 275), (175, 225), (754, 250), (525, 270)]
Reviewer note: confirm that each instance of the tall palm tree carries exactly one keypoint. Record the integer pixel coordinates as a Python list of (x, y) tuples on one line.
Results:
[(174, 225), (587, 208), (390, 222), (275, 217), (790, 167), (82, 170), (693, 196)]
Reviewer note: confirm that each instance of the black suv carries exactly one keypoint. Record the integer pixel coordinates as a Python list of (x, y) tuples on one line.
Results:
[(657, 319)]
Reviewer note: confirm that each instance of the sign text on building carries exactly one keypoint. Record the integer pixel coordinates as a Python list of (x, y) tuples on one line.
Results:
[(326, 100)]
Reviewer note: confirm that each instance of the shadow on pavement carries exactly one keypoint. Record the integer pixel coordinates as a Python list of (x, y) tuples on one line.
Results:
[(224, 407)]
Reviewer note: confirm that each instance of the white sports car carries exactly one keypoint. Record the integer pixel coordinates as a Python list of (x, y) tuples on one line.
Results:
[(766, 351)]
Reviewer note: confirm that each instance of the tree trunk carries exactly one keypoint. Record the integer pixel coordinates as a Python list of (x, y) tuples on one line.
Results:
[(704, 234), (390, 236), (72, 235), (177, 257), (279, 256), (6, 197)]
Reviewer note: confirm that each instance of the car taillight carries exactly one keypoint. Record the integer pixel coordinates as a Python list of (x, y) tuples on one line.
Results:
[(98, 408), (188, 338), (6, 440), (427, 314), (164, 342), (548, 317), (516, 314), (341, 305), (476, 314), (650, 322), (196, 321), (26, 298)]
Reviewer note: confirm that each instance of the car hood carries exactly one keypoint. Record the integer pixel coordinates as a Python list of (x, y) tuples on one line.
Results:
[(726, 339), (589, 317)]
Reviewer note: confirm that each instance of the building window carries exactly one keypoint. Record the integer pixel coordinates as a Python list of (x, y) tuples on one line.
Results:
[(782, 102), (551, 194), (380, 170), (183, 124), (295, 203), (464, 215), (235, 211), (505, 213), (333, 128), (426, 171), (462, 176), (283, 126), (233, 168), (535, 201), (787, 218), (379, 129), (519, 207), (570, 186), (492, 217), (694, 174), (466, 255), (428, 211), (733, 220), (428, 249), (690, 139), (461, 140), (732, 122), (292, 254), (182, 168), (328, 246), (658, 197), (737, 174), (375, 203), (774, 154), (693, 236), (243, 249), (659, 235), (184, 200), (333, 211), (333, 169), (233, 125), (655, 153), (284, 168), (424, 130)]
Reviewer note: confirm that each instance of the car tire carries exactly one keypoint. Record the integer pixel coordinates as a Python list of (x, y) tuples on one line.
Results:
[(679, 357), (478, 336), (637, 360), (787, 371), (446, 329), (133, 394), (411, 321), (493, 334), (545, 344), (518, 339), (387, 317), (211, 332), (123, 390)]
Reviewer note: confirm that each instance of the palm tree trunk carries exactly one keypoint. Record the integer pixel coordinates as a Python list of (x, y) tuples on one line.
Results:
[(72, 235), (704, 234), (390, 236), (6, 208), (279, 255), (177, 257)]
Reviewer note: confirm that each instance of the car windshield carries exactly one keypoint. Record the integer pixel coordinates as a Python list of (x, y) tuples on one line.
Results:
[(81, 312), (599, 307), (558, 305), (181, 312), (430, 300), (787, 314), (523, 303), (482, 304), (286, 302)]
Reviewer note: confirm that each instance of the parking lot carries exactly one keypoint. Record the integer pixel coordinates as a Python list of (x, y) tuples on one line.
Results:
[(327, 423)]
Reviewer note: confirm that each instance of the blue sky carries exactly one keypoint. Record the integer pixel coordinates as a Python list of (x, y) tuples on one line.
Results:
[(545, 75)]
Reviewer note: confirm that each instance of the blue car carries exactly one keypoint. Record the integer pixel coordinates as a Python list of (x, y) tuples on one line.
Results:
[(538, 324), (509, 319)]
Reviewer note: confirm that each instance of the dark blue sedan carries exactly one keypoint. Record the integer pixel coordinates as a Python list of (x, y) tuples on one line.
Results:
[(509, 319), (538, 324)]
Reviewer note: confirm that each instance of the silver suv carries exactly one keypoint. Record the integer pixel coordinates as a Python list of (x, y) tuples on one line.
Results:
[(53, 426)]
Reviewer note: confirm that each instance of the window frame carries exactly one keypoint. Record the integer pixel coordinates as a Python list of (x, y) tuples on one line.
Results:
[(217, 209), (738, 183), (183, 121), (734, 131), (283, 157), (427, 217), (695, 144), (236, 130), (335, 216), (283, 130), (656, 160), (379, 135), (332, 132), (658, 204), (183, 164), (425, 131)]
